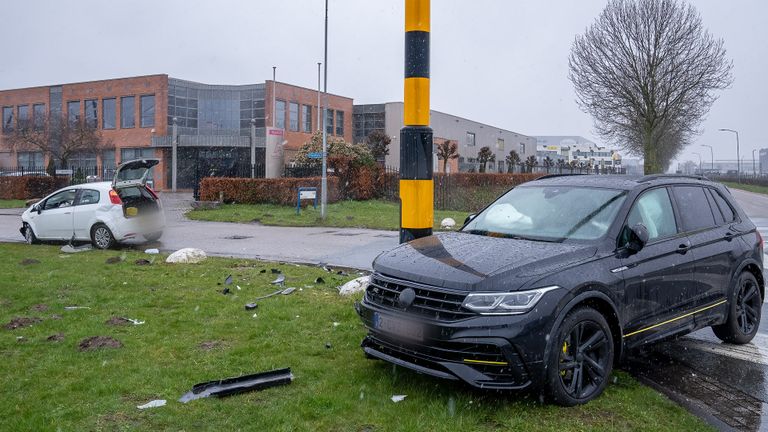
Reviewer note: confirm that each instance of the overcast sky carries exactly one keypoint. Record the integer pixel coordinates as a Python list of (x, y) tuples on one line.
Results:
[(502, 62)]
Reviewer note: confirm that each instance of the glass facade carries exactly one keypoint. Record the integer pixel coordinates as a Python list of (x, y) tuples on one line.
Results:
[(127, 112), (38, 116), (366, 119), (108, 113), (147, 110), (306, 115), (340, 123), (73, 112), (83, 160), (202, 109), (293, 116), (23, 116), (91, 113), (280, 114), (470, 139)]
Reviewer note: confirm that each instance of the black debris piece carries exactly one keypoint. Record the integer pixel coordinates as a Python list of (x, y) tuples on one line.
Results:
[(242, 384), (320, 280), (263, 271), (226, 291), (275, 271), (328, 345)]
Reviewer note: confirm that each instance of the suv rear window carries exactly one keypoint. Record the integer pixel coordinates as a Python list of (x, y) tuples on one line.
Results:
[(693, 206), (725, 208)]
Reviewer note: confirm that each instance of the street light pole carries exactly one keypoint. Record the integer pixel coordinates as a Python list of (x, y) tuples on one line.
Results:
[(754, 171), (324, 178), (318, 94), (738, 157), (274, 90), (711, 155)]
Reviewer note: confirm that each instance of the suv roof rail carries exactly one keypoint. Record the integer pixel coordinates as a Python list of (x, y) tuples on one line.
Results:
[(546, 176), (662, 176)]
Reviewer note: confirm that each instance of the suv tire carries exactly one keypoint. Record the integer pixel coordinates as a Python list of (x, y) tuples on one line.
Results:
[(744, 310), (101, 237), (581, 360)]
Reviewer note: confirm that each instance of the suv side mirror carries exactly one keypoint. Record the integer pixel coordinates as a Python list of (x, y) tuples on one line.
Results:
[(638, 237), (469, 218)]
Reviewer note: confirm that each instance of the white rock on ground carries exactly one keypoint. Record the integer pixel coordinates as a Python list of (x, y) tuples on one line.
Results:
[(355, 285), (448, 223), (186, 256)]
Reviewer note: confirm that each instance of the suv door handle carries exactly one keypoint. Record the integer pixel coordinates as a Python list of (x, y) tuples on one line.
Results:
[(683, 248)]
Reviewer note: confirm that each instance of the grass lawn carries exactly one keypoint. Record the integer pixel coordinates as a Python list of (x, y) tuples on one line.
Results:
[(344, 214), (747, 187), (193, 333), (4, 204)]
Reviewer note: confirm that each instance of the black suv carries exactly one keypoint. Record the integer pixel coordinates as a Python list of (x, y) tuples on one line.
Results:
[(556, 280)]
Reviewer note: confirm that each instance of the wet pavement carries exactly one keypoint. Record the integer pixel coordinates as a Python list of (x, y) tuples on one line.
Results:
[(726, 385)]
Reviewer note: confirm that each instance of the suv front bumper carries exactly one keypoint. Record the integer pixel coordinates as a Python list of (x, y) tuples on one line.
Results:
[(489, 352)]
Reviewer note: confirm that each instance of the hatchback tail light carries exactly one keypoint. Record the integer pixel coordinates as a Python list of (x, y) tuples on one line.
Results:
[(151, 192), (114, 198)]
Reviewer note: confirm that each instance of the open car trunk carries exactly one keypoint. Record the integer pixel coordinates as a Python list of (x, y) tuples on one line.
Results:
[(130, 183)]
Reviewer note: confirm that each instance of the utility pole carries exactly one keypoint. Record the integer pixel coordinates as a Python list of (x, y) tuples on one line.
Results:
[(318, 94), (274, 91), (416, 184), (324, 177)]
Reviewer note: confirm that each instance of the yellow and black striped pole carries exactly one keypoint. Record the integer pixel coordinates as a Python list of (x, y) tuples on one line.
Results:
[(416, 186)]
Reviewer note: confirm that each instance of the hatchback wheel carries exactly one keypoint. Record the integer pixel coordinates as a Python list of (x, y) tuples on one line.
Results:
[(744, 310), (581, 360), (29, 235), (102, 237)]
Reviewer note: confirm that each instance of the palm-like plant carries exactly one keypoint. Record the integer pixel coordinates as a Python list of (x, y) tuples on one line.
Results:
[(447, 150), (484, 156), (548, 163), (512, 159), (531, 162)]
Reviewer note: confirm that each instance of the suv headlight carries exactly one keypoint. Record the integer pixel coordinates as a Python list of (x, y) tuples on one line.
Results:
[(505, 303)]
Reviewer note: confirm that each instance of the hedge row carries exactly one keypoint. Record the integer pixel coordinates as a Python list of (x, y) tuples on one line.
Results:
[(27, 187), (282, 191)]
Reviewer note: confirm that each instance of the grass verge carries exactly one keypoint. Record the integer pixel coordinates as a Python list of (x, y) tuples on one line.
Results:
[(372, 214), (747, 187), (4, 204), (193, 333)]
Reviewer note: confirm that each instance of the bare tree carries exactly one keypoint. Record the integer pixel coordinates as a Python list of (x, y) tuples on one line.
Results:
[(646, 71), (484, 156), (447, 150), (512, 159), (58, 138)]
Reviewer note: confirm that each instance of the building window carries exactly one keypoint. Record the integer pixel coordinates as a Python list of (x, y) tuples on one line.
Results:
[(127, 112), (500, 144), (38, 116), (29, 160), (147, 110), (108, 113), (23, 116), (470, 139), (329, 122), (522, 149), (293, 116), (73, 112), (280, 114), (7, 119), (91, 110), (340, 123), (306, 114)]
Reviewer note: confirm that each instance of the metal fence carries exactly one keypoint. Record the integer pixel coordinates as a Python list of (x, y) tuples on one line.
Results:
[(76, 175)]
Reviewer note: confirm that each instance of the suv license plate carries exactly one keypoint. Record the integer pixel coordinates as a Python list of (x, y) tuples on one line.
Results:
[(398, 327)]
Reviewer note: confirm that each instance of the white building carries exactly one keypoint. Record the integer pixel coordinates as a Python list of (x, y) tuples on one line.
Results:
[(576, 148)]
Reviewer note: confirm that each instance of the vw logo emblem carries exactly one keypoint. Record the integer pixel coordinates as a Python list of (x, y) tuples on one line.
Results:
[(406, 298)]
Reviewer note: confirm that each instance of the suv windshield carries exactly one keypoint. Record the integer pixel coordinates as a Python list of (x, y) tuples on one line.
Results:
[(550, 213)]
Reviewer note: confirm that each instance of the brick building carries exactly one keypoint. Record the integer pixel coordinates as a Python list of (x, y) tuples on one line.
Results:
[(216, 125)]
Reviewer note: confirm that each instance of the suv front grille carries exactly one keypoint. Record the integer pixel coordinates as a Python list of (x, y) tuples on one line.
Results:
[(430, 302)]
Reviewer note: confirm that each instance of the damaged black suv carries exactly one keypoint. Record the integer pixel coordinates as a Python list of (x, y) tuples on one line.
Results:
[(553, 283)]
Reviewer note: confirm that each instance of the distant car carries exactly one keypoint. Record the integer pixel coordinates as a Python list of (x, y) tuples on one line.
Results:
[(103, 213), (559, 278)]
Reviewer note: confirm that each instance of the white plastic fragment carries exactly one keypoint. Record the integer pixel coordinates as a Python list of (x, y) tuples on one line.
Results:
[(398, 398), (71, 249), (152, 404), (355, 285), (152, 251), (448, 223), (76, 307), (186, 256), (135, 321)]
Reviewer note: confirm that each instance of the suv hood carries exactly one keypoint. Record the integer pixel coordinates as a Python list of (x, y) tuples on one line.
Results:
[(470, 262), (133, 173)]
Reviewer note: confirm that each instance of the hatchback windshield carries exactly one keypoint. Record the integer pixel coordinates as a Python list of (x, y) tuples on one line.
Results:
[(550, 213)]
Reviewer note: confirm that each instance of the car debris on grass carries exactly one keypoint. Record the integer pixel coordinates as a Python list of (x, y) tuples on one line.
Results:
[(241, 384)]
